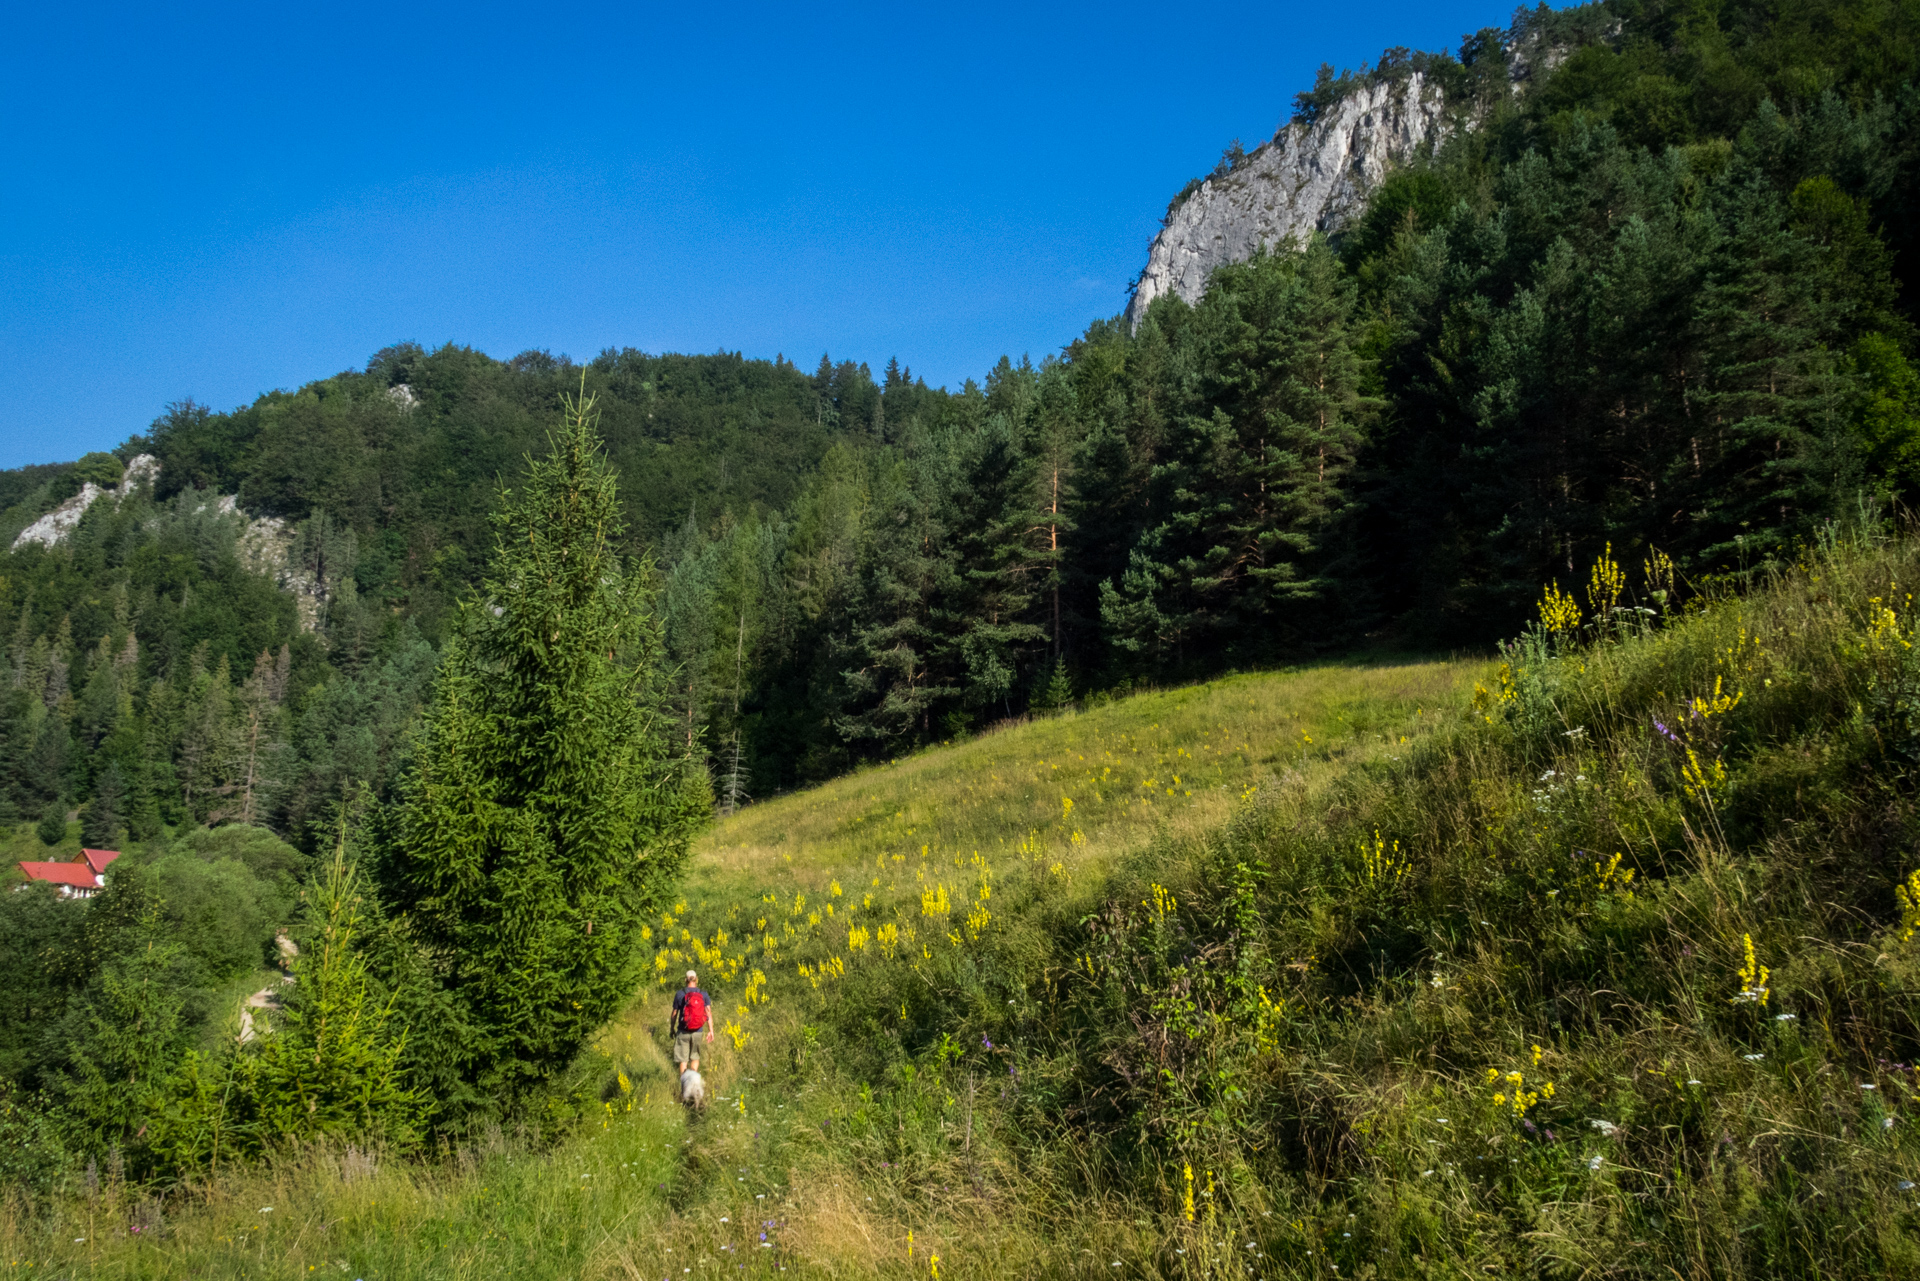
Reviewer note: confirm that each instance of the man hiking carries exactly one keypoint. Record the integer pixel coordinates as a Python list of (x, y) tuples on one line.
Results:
[(690, 1022)]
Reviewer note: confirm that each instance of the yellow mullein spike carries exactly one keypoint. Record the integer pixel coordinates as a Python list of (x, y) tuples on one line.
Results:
[(1558, 612), (1753, 976), (1606, 583), (1908, 894)]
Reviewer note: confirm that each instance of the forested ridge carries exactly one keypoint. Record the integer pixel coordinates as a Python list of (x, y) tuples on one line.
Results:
[(1648, 296)]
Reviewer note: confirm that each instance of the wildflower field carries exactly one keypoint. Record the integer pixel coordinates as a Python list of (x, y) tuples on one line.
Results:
[(1595, 959)]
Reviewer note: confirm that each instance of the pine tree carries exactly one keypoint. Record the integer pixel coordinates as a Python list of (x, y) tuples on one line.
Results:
[(100, 825), (998, 569), (686, 615), (206, 740), (896, 663), (1057, 691), (52, 827), (332, 1065), (1054, 440), (1772, 400), (259, 740), (544, 816), (1255, 469), (733, 782), (143, 811)]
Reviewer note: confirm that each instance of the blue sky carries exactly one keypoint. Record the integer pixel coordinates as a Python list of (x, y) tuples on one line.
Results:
[(213, 201)]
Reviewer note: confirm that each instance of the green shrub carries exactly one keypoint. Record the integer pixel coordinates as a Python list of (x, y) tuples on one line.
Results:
[(269, 858), (52, 827), (100, 469), (217, 912), (31, 1152)]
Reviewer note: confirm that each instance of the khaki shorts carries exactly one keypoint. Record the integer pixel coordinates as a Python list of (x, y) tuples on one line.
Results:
[(686, 1045)]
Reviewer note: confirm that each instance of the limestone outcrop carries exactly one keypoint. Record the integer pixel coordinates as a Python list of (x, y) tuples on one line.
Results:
[(52, 529), (1311, 177), (266, 545)]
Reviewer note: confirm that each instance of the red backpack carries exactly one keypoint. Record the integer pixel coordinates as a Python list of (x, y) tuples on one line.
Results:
[(693, 1013)]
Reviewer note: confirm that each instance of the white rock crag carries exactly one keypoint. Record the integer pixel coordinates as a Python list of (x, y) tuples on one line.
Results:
[(52, 529), (264, 543), (266, 547), (1309, 178), (142, 469)]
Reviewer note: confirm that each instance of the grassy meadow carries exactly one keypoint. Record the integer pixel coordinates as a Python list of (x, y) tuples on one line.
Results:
[(1600, 960), (641, 1192)]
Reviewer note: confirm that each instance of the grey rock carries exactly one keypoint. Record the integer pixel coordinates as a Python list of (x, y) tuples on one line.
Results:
[(52, 529), (1309, 178)]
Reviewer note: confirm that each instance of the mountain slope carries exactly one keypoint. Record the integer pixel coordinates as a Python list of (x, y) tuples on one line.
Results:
[(1603, 964), (637, 1188)]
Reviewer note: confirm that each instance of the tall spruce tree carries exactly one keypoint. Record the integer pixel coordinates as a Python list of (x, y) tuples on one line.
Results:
[(997, 568), (101, 824), (332, 1065), (546, 812), (1253, 471), (897, 663)]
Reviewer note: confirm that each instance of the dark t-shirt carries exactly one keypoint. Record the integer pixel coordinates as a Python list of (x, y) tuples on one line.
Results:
[(680, 1006)]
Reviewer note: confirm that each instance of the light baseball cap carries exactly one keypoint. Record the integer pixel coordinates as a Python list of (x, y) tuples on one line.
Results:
[(692, 975)]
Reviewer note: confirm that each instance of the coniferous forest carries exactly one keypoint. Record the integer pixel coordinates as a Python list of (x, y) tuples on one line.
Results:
[(1653, 297)]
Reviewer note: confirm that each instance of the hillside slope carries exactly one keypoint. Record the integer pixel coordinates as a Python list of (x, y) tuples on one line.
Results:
[(1612, 971), (1598, 962), (624, 1195)]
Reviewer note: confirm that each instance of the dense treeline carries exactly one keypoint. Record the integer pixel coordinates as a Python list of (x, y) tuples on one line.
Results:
[(1651, 299)]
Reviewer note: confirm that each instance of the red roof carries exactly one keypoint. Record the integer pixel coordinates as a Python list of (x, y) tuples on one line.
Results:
[(75, 874), (98, 859)]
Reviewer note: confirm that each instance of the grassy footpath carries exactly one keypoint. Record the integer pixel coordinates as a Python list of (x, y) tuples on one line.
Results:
[(787, 912)]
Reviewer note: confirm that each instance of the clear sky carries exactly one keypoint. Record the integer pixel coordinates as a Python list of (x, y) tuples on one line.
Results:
[(216, 200)]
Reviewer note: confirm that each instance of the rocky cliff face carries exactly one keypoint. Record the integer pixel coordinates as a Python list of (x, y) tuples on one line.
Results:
[(266, 544), (52, 528), (1309, 178)]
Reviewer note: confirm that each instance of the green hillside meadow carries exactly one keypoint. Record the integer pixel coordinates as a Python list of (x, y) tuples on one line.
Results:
[(1399, 766), (1598, 960), (502, 1207)]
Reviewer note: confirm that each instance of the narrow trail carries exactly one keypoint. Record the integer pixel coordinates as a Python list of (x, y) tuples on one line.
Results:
[(268, 997)]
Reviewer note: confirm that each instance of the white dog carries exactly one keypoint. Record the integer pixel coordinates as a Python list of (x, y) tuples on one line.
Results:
[(693, 1088)]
